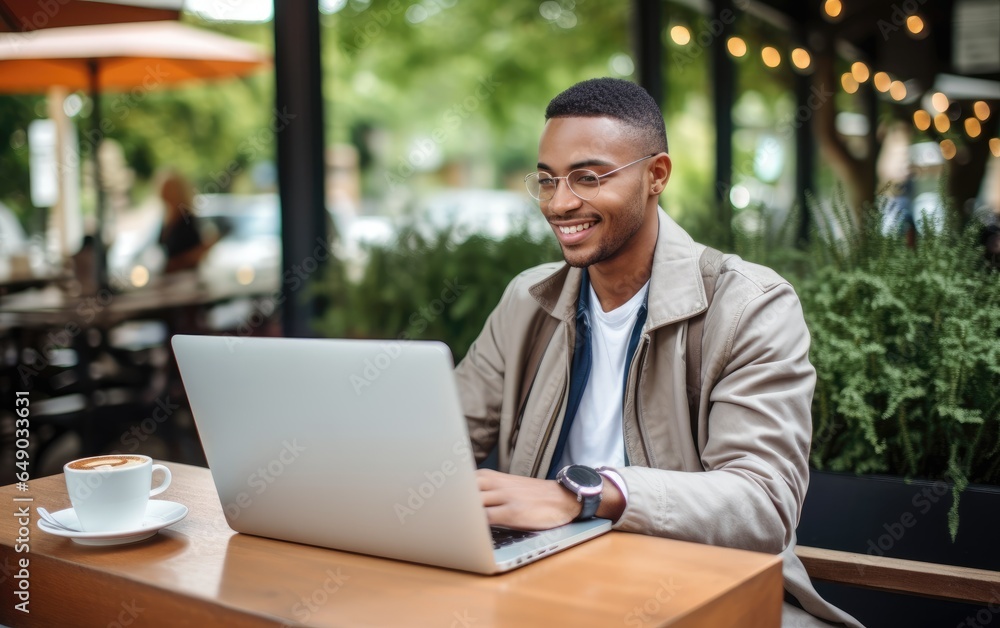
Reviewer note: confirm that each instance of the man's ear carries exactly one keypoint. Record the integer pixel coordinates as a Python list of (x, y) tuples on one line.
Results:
[(660, 171)]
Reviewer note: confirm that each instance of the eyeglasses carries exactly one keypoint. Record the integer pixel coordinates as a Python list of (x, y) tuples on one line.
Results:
[(583, 183)]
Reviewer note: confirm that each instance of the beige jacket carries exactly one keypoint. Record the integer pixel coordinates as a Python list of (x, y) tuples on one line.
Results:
[(743, 484)]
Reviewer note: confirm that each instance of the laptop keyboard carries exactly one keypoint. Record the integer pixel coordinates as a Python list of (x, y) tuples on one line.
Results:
[(503, 537)]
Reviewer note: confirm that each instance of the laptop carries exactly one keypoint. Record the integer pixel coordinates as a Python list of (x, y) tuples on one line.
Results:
[(355, 445)]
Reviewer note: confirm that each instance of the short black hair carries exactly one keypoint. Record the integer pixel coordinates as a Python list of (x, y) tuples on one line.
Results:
[(614, 98)]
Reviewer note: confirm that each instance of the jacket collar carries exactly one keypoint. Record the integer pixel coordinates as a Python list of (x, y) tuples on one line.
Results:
[(676, 290)]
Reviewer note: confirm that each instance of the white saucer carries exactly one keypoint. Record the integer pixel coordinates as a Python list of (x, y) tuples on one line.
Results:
[(160, 513)]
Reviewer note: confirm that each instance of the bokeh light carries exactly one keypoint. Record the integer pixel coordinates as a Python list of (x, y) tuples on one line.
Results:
[(940, 102), (244, 275), (737, 47), (860, 71), (739, 196), (981, 109), (801, 58), (948, 149), (139, 276), (771, 56), (897, 90), (680, 35), (847, 81), (882, 81)]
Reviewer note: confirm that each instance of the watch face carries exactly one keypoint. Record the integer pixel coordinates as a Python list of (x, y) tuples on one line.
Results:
[(584, 476)]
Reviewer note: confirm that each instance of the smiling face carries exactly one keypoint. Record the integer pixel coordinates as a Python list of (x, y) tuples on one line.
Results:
[(620, 223)]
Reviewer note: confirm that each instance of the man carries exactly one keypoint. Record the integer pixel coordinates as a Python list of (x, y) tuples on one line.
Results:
[(581, 374)]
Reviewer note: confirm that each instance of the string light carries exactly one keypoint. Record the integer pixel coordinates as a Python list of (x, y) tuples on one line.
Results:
[(771, 56), (982, 110), (882, 81), (833, 8), (940, 102), (850, 85), (921, 119), (972, 127), (942, 123), (681, 35), (139, 276), (801, 59), (995, 146), (948, 149), (915, 24), (860, 71), (897, 90), (737, 47)]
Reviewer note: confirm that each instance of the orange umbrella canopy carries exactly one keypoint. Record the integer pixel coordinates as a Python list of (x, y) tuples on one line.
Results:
[(19, 16), (123, 55)]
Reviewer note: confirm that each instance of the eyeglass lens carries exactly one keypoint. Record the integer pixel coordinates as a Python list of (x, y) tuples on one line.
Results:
[(584, 183)]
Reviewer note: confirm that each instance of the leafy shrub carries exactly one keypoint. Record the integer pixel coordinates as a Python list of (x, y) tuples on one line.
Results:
[(906, 344), (423, 287)]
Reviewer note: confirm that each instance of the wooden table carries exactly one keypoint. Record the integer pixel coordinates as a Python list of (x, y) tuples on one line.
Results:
[(165, 295), (199, 572)]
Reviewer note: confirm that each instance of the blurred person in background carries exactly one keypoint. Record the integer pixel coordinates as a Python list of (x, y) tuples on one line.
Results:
[(183, 244)]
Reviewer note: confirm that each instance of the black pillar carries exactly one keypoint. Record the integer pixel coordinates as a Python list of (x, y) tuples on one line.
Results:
[(647, 19), (299, 120), (100, 245), (869, 100), (723, 80), (805, 151)]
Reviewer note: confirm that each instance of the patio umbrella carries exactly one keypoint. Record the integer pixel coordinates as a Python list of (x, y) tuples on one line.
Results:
[(21, 16), (119, 56)]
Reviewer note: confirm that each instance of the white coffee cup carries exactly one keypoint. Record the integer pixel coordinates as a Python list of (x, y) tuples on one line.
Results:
[(110, 493)]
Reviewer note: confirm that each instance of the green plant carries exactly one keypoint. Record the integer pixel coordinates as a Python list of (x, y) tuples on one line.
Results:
[(423, 287), (906, 344)]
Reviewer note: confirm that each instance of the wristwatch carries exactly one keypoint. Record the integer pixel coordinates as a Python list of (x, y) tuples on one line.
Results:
[(586, 484)]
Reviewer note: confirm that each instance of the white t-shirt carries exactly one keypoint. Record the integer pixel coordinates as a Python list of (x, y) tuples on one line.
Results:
[(595, 438)]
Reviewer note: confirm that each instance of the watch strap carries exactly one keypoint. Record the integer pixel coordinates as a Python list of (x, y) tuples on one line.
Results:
[(590, 505)]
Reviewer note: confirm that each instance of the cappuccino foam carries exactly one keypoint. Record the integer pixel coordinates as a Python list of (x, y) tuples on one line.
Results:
[(103, 463)]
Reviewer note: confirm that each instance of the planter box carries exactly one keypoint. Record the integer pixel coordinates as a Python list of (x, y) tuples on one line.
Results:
[(888, 516)]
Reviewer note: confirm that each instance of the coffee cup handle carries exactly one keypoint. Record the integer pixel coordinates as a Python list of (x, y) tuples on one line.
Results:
[(166, 480)]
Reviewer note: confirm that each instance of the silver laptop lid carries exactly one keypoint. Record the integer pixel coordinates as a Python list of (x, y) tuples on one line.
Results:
[(349, 444)]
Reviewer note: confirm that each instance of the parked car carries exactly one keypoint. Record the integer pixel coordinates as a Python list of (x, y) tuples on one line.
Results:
[(247, 255), (135, 255)]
